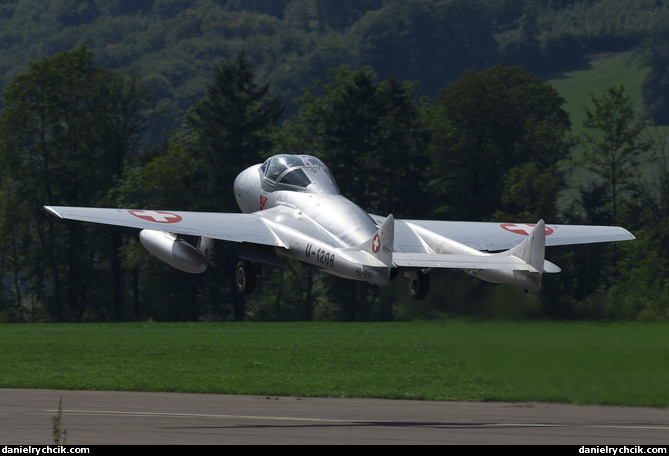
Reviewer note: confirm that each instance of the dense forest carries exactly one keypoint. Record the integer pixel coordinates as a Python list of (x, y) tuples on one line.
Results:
[(172, 44), (423, 109)]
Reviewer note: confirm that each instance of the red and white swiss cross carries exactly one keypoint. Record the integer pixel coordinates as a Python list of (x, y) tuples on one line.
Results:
[(523, 228), (156, 216), (376, 243)]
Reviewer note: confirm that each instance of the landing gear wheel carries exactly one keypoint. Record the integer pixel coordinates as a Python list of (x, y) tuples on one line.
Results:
[(245, 277), (419, 284)]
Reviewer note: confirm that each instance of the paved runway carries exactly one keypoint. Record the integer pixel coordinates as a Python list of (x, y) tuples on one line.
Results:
[(103, 417)]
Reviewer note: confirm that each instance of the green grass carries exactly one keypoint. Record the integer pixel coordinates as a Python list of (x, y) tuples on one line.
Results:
[(602, 72), (625, 364), (575, 86), (614, 364)]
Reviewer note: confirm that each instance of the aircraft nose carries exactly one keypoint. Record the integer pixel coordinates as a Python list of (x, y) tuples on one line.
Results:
[(245, 187), (238, 185)]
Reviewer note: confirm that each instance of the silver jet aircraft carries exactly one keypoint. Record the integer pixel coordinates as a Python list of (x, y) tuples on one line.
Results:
[(292, 206)]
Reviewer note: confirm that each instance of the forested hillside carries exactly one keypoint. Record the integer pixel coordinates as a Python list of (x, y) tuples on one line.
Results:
[(173, 44), (423, 109)]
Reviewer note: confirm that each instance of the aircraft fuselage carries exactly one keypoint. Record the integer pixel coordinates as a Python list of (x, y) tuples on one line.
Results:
[(315, 222), (345, 223)]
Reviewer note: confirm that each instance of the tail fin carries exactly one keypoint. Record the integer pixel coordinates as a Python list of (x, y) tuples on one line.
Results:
[(532, 250), (380, 246)]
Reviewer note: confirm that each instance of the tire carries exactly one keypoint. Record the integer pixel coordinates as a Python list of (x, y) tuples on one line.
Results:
[(419, 285), (245, 277)]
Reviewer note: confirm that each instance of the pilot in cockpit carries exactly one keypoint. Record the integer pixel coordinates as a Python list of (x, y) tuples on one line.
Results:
[(274, 171)]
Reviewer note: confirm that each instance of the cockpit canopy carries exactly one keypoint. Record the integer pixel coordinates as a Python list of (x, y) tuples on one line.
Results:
[(299, 172)]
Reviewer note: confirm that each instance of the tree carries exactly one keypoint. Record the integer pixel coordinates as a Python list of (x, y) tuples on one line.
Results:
[(656, 83), (641, 288), (158, 291), (612, 144), (228, 129), (607, 155), (66, 131), (427, 40), (231, 129), (488, 123), (372, 136), (232, 126), (530, 194)]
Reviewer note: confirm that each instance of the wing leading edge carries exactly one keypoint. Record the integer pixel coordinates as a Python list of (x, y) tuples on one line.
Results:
[(223, 226)]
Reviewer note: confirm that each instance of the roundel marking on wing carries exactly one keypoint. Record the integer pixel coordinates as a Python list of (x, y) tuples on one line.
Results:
[(524, 228), (156, 216)]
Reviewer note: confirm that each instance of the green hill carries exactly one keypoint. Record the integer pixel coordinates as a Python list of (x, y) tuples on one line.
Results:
[(173, 44), (602, 71)]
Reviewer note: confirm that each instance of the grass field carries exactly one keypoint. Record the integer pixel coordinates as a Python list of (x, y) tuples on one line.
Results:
[(622, 364), (600, 73)]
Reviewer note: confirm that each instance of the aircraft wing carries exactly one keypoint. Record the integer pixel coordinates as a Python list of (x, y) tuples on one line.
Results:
[(494, 237), (224, 226)]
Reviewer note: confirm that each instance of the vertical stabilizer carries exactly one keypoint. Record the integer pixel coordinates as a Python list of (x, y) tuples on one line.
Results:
[(382, 242), (380, 246), (532, 250)]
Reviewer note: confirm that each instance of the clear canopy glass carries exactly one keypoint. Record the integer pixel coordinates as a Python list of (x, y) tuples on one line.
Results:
[(299, 172)]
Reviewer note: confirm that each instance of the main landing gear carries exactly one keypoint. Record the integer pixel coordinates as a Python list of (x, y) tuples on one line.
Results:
[(246, 274), (419, 284)]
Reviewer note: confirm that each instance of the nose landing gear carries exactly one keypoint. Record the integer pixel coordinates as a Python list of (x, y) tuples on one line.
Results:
[(246, 274)]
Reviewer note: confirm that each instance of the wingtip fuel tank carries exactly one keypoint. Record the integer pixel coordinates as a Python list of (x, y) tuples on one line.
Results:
[(173, 250)]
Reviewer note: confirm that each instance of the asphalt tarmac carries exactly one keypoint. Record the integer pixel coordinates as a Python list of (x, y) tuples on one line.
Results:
[(106, 417)]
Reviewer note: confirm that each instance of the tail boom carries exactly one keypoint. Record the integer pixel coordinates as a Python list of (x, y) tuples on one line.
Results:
[(532, 252), (521, 266)]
